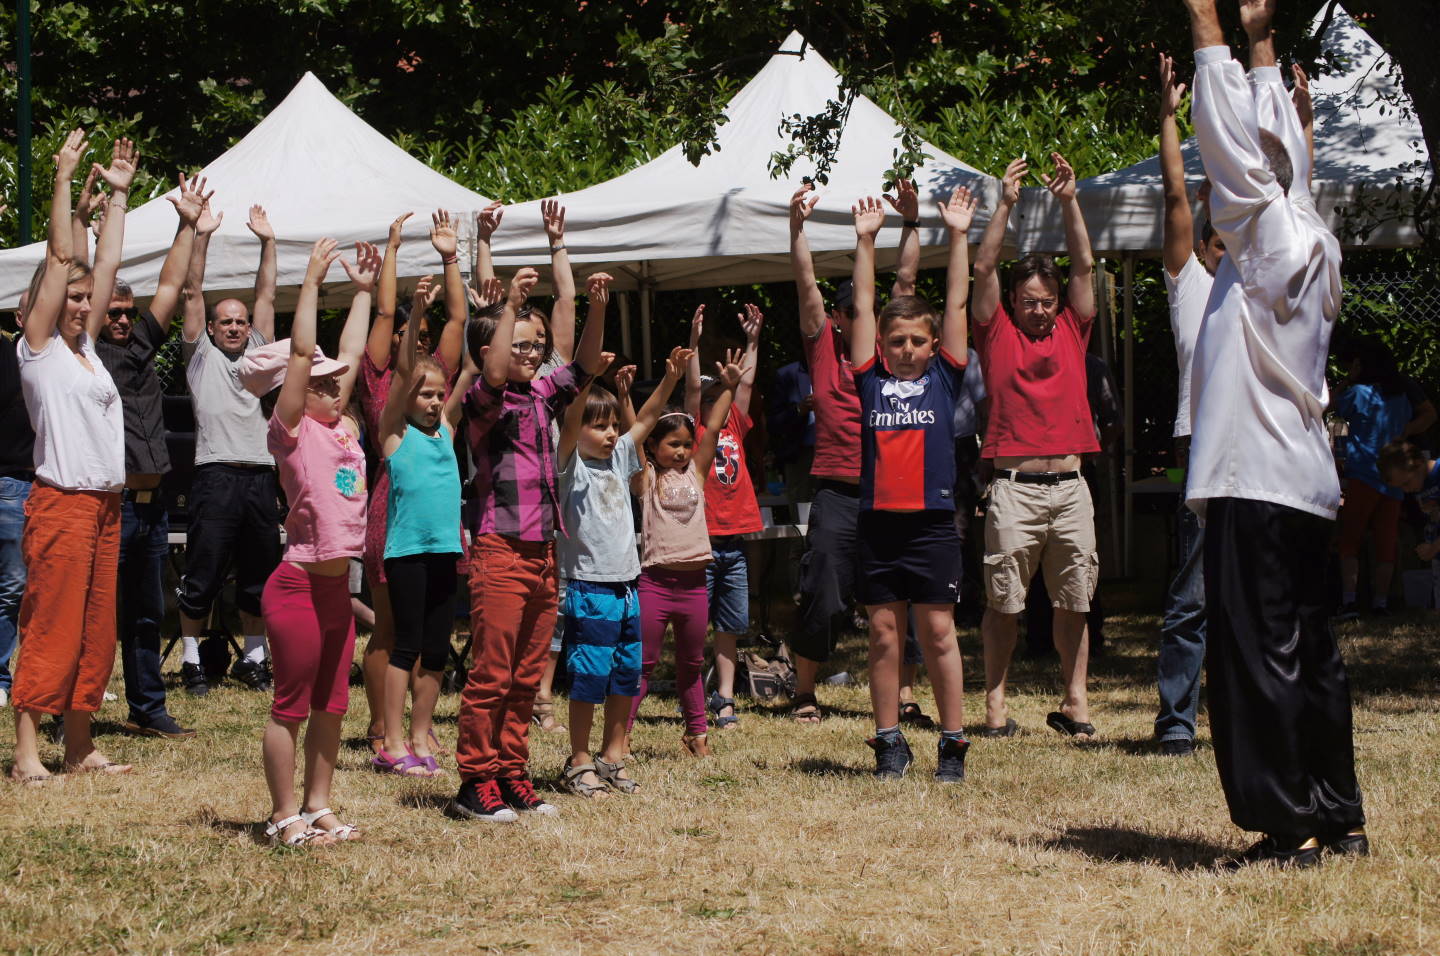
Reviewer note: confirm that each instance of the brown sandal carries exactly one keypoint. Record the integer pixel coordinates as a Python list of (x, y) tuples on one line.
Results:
[(543, 716), (697, 744), (805, 709)]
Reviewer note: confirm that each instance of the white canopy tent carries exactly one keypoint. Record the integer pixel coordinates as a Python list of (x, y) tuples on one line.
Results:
[(671, 225), (319, 170)]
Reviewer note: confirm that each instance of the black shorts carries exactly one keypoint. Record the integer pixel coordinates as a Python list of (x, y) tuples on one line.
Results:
[(234, 518), (827, 569), (909, 556)]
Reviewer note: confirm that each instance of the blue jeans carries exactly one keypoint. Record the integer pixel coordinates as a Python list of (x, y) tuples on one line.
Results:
[(144, 532), (1182, 635), (13, 493)]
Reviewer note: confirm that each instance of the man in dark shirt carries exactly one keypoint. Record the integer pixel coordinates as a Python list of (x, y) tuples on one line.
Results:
[(17, 464), (128, 343)]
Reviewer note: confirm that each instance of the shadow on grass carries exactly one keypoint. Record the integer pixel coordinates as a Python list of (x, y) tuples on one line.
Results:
[(1126, 845), (823, 767), (250, 829), (426, 800)]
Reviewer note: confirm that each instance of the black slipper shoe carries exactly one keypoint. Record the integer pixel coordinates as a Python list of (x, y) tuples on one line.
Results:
[(1070, 728)]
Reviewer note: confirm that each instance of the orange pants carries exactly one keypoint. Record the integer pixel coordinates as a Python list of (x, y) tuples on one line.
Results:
[(67, 617)]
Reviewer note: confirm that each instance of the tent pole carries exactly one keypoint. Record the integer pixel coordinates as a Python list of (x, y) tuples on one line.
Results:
[(1129, 315), (625, 342), (647, 294)]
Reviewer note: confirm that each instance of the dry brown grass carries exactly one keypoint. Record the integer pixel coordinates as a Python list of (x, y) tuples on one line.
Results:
[(780, 843)]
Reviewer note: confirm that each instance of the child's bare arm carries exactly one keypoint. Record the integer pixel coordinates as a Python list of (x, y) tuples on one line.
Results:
[(730, 374), (650, 411)]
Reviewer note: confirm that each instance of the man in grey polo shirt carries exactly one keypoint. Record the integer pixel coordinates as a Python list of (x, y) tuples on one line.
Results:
[(234, 514)]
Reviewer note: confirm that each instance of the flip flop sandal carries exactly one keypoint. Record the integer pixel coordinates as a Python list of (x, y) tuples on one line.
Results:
[(545, 710), (910, 713), (1070, 728), (571, 780), (36, 780), (107, 768), (345, 831), (715, 704), (275, 832), (1009, 730), (805, 709), (432, 766), (401, 767), (436, 746), (610, 774)]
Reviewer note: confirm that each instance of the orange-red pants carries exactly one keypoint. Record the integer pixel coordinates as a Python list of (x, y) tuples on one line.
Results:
[(67, 617)]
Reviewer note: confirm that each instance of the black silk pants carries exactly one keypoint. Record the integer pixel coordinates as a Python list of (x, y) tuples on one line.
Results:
[(1279, 699)]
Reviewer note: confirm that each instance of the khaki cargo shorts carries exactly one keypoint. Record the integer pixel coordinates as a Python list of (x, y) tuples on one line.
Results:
[(1040, 527)]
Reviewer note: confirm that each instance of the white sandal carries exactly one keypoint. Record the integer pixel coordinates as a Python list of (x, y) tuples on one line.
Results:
[(275, 832), (345, 831)]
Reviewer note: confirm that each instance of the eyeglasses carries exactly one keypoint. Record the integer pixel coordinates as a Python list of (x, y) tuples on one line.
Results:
[(129, 313), (328, 385), (1042, 303), (527, 348)]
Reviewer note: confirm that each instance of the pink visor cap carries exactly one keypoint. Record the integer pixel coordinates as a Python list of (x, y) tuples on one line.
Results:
[(262, 370)]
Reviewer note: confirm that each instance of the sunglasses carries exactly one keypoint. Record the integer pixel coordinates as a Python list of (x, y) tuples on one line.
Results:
[(129, 313)]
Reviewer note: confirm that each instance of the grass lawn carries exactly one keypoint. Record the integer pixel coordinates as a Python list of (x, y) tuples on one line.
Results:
[(780, 843)]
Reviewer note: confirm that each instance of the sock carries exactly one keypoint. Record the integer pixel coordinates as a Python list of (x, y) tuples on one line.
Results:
[(952, 735), (888, 733), (255, 648), (190, 650), (1380, 602), (1348, 597)]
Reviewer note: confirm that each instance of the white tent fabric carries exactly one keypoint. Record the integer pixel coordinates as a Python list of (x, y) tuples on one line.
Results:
[(1362, 145), (319, 170), (672, 225)]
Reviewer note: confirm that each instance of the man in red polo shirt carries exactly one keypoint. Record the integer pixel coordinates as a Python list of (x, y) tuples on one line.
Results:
[(1041, 517)]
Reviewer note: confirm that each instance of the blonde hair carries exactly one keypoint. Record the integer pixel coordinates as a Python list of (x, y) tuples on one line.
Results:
[(74, 272)]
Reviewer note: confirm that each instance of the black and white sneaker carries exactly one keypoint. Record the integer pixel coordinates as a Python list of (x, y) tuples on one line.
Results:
[(519, 794), (253, 674), (950, 767), (892, 756), (193, 677), (480, 800)]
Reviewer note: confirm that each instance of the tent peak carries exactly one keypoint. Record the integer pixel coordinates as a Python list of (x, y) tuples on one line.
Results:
[(795, 43)]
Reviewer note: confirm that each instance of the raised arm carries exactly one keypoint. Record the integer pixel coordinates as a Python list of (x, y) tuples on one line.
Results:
[(730, 378), (624, 378), (1255, 17), (48, 303), (592, 340), (562, 316), (262, 313), (490, 292), (86, 206), (118, 176), (811, 302), (194, 200), (392, 416), (869, 217), (907, 264), (957, 214), (1305, 112), (497, 356), (352, 335), (692, 372), (487, 221), (1204, 24), (1080, 290), (1178, 225), (169, 289), (987, 257), (377, 346), (574, 418), (457, 306), (752, 321), (290, 406), (675, 366)]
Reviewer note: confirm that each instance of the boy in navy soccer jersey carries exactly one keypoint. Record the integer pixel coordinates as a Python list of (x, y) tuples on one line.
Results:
[(909, 549)]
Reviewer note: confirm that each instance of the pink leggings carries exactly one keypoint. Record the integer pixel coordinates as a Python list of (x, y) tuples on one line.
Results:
[(676, 598), (312, 639)]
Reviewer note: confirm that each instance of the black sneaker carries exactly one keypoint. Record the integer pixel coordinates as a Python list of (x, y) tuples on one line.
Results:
[(892, 756), (518, 793), (1178, 747), (1286, 854), (1347, 612), (254, 675), (480, 800), (162, 726), (1380, 610), (193, 677), (950, 767), (1351, 843)]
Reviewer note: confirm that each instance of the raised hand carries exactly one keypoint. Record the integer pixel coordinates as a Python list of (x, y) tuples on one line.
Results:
[(259, 224), (366, 268), (526, 279), (89, 200), (1255, 17), (1015, 174), (124, 159), (625, 377), (597, 287), (751, 320), (322, 256), (959, 212), (1300, 95), (487, 220), (1171, 93), (442, 234), (71, 152), (396, 228), (697, 326), (490, 292), (731, 371), (906, 201), (802, 204), (869, 215), (675, 366), (552, 214), (209, 221), (424, 296), (606, 360), (192, 199), (1062, 184)]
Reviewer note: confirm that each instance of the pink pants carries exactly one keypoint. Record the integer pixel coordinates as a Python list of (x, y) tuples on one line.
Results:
[(312, 640), (676, 598)]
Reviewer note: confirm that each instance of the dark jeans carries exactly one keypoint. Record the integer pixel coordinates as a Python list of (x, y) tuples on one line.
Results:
[(144, 532), (1182, 634), (234, 516), (828, 569), (13, 493), (1279, 697)]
